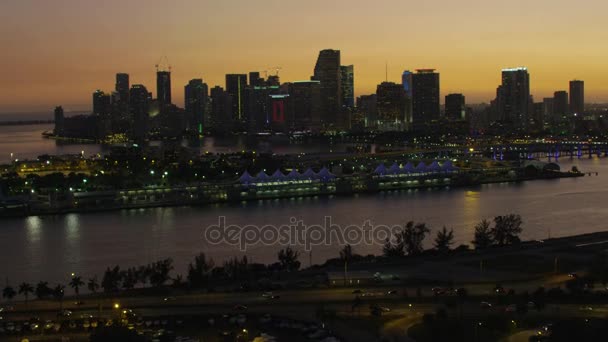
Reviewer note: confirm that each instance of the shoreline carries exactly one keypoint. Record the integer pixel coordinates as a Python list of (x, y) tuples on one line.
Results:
[(234, 194)]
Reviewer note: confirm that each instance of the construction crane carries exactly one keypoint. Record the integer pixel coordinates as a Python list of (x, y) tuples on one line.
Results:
[(163, 64), (276, 70)]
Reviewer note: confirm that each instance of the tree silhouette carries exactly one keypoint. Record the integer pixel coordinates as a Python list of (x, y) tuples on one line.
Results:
[(58, 293), (93, 284), (75, 284), (288, 258), (413, 237), (444, 240), (507, 229), (43, 290), (199, 272), (25, 289), (394, 249), (111, 279), (9, 293), (483, 235), (346, 254)]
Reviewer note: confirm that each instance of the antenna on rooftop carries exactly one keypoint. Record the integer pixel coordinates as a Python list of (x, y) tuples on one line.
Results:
[(163, 64), (386, 71)]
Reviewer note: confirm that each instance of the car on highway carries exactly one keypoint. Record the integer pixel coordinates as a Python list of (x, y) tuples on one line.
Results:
[(485, 305)]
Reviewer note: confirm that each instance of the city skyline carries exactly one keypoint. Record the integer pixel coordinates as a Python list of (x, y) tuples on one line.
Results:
[(48, 57)]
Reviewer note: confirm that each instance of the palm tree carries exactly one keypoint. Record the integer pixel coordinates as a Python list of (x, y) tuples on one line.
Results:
[(444, 240), (9, 293), (25, 289), (346, 254), (93, 284), (43, 290), (76, 283), (58, 293)]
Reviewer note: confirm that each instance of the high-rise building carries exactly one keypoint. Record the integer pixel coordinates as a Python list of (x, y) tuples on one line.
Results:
[(368, 106), (347, 74), (140, 99), (236, 85), (195, 101), (513, 98), (101, 103), (163, 88), (455, 107), (59, 121), (327, 71), (406, 82), (425, 97), (273, 80), (122, 89), (577, 97), (538, 115), (390, 104), (560, 103), (221, 109), (306, 105), (255, 79), (548, 110)]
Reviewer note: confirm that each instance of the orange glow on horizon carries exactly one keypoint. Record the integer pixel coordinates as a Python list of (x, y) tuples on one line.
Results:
[(58, 52)]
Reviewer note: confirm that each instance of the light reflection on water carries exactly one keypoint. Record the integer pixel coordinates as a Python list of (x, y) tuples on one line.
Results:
[(51, 247)]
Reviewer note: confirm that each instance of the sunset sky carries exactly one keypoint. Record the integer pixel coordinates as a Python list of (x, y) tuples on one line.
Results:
[(57, 52)]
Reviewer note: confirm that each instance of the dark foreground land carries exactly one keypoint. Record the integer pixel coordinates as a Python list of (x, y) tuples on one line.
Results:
[(551, 289)]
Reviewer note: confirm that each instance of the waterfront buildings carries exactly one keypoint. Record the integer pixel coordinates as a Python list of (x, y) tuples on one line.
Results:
[(306, 105), (328, 73), (101, 102), (560, 103), (236, 85), (140, 100), (577, 97), (513, 98), (347, 74), (425, 98), (163, 88), (390, 107), (195, 102), (122, 89), (455, 107)]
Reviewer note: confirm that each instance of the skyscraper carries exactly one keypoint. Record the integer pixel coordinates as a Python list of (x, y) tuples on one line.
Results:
[(347, 74), (163, 88), (327, 71), (560, 103), (195, 100), (455, 108), (306, 104), (101, 103), (122, 88), (221, 109), (255, 79), (59, 121), (235, 87), (390, 106), (140, 105), (368, 106), (425, 97), (577, 97), (513, 97), (406, 82)]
